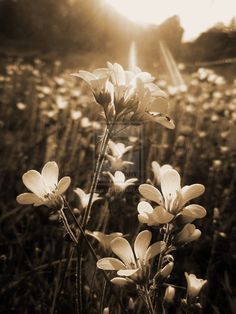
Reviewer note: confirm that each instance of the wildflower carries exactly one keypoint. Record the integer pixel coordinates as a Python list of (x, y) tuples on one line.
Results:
[(189, 233), (173, 198), (194, 285), (119, 182), (46, 190), (104, 239), (118, 150), (21, 106), (98, 81), (169, 294), (84, 198), (132, 264)]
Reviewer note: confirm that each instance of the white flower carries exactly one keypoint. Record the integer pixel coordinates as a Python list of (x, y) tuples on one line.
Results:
[(119, 182), (46, 190), (104, 239), (194, 285), (132, 264), (98, 81), (84, 198), (189, 233), (173, 198), (118, 150)]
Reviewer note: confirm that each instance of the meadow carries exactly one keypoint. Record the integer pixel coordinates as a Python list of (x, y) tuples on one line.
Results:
[(48, 115)]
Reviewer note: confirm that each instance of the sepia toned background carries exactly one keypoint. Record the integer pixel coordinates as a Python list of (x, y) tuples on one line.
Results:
[(46, 114)]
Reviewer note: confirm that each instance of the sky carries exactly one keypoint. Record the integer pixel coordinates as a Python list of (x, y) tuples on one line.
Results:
[(195, 16)]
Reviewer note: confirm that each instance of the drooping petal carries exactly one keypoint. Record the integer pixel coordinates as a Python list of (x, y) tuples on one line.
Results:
[(127, 272), (123, 250), (158, 105), (29, 198), (50, 174), (33, 180), (191, 191), (141, 244), (110, 263), (170, 183), (151, 193), (154, 250), (63, 185)]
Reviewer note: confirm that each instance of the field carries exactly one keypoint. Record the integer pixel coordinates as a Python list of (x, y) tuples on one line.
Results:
[(48, 115)]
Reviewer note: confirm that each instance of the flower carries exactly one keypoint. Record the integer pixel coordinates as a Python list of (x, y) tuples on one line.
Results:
[(173, 198), (194, 285), (132, 264), (118, 150), (46, 190), (99, 84), (119, 182), (84, 198), (189, 233), (104, 239)]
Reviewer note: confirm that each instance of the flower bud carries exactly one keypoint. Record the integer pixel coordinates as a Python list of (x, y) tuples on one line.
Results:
[(194, 285), (169, 294), (166, 271)]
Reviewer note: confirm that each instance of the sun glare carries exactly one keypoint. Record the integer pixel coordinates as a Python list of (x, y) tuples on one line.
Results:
[(195, 16)]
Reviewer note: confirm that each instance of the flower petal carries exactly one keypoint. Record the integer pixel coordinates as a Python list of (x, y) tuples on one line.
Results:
[(145, 207), (33, 180), (151, 193), (85, 75), (154, 250), (191, 191), (110, 263), (141, 244), (159, 105), (29, 198), (119, 177), (63, 185), (192, 212), (127, 272), (123, 250), (81, 194), (50, 174), (170, 183), (161, 216)]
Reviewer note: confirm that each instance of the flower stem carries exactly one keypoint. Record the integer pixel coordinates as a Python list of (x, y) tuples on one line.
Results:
[(148, 301)]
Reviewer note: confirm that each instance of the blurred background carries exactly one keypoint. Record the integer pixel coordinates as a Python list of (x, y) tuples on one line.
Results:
[(47, 115)]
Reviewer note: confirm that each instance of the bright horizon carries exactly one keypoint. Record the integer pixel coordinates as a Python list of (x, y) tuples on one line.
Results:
[(195, 16)]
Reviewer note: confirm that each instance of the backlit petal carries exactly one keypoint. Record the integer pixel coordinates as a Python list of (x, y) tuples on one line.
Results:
[(190, 192), (33, 180), (63, 185), (191, 212), (127, 272), (141, 244), (110, 263), (154, 250), (123, 250), (29, 198), (50, 174), (151, 193), (170, 183), (145, 207)]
